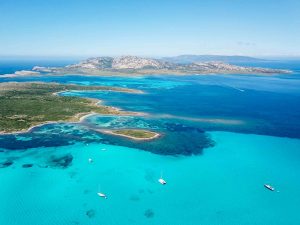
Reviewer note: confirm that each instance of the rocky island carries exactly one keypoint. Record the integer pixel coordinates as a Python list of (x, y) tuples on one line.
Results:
[(134, 65), (24, 105)]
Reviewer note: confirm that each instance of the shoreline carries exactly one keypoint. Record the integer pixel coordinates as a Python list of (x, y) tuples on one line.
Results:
[(145, 73), (79, 117), (111, 132), (72, 120)]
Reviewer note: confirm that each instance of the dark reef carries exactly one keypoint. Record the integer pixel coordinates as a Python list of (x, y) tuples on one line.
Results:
[(149, 213), (61, 162), (6, 163), (178, 138), (91, 213), (28, 165)]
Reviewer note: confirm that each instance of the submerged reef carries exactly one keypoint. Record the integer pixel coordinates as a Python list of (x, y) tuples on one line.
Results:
[(6, 163), (90, 213), (176, 139), (149, 213), (61, 162), (28, 165)]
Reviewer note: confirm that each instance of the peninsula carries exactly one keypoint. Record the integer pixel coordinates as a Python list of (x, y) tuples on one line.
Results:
[(27, 104), (134, 65)]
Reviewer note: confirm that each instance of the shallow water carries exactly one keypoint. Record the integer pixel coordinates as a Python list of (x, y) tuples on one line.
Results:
[(222, 186)]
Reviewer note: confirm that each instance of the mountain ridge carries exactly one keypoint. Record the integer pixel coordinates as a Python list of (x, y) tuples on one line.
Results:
[(135, 65)]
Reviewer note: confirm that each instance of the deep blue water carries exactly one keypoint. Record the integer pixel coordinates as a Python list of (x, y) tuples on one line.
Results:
[(11, 65)]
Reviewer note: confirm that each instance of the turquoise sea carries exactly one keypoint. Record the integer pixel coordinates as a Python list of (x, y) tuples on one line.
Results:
[(224, 137)]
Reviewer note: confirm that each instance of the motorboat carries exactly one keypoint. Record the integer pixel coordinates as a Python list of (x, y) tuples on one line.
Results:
[(102, 195), (162, 181), (268, 186)]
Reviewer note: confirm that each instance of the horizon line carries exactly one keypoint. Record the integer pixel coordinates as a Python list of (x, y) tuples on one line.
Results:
[(149, 56)]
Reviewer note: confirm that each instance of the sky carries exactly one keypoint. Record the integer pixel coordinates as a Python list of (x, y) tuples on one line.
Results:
[(149, 28)]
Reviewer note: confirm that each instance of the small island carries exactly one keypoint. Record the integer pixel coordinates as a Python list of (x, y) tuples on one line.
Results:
[(135, 134), (28, 104)]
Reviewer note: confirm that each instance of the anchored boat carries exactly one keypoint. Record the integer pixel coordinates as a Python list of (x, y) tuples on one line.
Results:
[(268, 186), (102, 195), (162, 181)]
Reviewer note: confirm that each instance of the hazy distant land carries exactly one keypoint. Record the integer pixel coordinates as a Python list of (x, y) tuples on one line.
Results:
[(134, 65)]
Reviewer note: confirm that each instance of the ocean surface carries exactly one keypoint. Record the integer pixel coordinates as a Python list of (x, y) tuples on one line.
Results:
[(223, 138)]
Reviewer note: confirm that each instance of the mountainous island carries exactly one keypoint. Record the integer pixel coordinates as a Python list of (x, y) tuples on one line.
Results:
[(134, 65)]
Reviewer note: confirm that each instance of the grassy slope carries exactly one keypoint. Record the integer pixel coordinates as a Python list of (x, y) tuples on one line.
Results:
[(26, 104), (135, 133)]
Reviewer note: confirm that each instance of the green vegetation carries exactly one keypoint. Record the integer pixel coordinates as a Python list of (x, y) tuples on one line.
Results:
[(135, 134), (27, 104)]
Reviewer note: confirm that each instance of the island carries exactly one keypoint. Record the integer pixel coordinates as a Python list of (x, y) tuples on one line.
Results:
[(135, 134), (28, 104), (134, 65)]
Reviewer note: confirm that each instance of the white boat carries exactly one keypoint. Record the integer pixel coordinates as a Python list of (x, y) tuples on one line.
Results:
[(102, 195), (162, 181), (90, 160), (268, 186)]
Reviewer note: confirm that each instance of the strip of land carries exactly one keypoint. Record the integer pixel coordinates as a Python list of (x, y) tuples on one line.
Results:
[(29, 104), (135, 134)]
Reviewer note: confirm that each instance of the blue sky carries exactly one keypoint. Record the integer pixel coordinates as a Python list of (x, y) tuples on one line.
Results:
[(149, 28)]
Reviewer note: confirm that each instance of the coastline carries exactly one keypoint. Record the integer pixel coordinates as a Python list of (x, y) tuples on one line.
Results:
[(158, 73), (80, 117), (111, 132), (142, 73), (75, 119)]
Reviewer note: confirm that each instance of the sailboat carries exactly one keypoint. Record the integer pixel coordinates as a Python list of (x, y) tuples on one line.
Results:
[(161, 180), (101, 194)]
